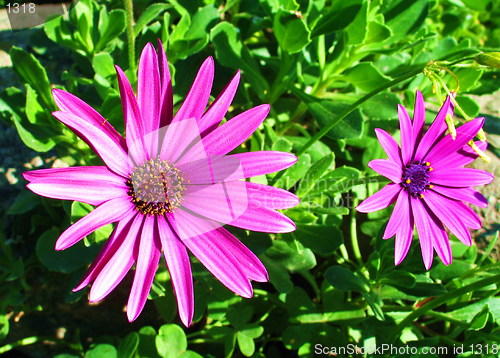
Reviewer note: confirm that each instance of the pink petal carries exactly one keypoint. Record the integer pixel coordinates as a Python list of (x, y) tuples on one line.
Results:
[(264, 220), (407, 139), (441, 151), (468, 216), (74, 105), (446, 211), (418, 116), (387, 168), (91, 185), (134, 123), (166, 97), (463, 194), (220, 262), (265, 162), (110, 152), (460, 177), (179, 268), (178, 137), (398, 216), (120, 263), (380, 200), (146, 264), (435, 131), (260, 195), (424, 228), (214, 115), (148, 89), (389, 145), (109, 212), (235, 131), (196, 100), (108, 250), (404, 234), (461, 157)]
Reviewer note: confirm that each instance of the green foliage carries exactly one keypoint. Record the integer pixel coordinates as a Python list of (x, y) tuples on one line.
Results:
[(332, 72)]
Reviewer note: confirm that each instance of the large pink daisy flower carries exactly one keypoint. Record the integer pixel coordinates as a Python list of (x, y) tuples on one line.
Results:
[(169, 186), (429, 183)]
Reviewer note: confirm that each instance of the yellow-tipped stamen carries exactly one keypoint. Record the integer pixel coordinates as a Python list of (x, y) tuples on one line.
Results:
[(427, 164), (479, 152), (430, 169), (422, 196), (431, 186), (481, 135), (407, 181)]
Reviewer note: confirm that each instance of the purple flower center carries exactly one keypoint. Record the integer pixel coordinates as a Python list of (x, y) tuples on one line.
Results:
[(156, 187), (415, 179)]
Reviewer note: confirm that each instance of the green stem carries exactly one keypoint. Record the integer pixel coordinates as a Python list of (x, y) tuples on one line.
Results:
[(354, 234), (438, 301), (129, 9), (19, 343)]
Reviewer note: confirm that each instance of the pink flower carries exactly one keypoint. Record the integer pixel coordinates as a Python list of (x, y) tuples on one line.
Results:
[(429, 183), (169, 185)]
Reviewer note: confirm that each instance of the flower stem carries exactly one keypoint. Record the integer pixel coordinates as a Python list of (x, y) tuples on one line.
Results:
[(354, 234), (129, 9)]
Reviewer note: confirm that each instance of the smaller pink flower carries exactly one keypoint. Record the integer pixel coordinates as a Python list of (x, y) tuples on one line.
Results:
[(429, 183)]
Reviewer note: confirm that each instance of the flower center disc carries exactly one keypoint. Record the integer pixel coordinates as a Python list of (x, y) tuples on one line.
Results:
[(156, 187), (415, 179)]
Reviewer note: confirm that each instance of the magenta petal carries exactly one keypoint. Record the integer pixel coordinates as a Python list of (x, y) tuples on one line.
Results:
[(387, 168), (220, 262), (445, 210), (463, 194), (177, 137), (435, 131), (265, 162), (179, 268), (442, 150), (424, 228), (214, 115), (146, 264), (134, 123), (380, 200), (389, 145), (234, 132), (110, 152), (468, 216), (166, 97), (250, 264), (459, 158), (460, 177), (196, 100), (74, 105), (260, 195), (399, 215), (418, 116), (148, 89), (407, 139), (117, 267), (107, 251), (404, 234), (91, 185), (107, 213), (264, 220)]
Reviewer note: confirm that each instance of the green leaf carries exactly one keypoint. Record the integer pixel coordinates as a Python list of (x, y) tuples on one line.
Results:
[(468, 105), (296, 172), (366, 77), (129, 345), (290, 31), (357, 30), (399, 279), (201, 23), (190, 354), (171, 341), (246, 344), (102, 351), (110, 30), (323, 239), (340, 14), (65, 261), (151, 13), (382, 106), (278, 276), (404, 17), (4, 326), (38, 138), (293, 256), (24, 202), (103, 64), (301, 308), (377, 32), (345, 280), (33, 73), (314, 174)]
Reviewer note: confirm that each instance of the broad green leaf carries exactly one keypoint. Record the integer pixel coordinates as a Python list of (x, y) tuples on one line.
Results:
[(404, 17), (383, 106), (57, 30), (301, 308), (171, 341), (399, 278), (103, 64), (278, 276), (340, 14), (202, 22), (468, 105), (314, 174), (377, 32), (151, 13), (67, 260), (323, 239), (33, 73), (345, 280), (38, 138), (366, 77), (246, 344), (114, 27), (296, 172), (34, 110), (290, 31), (102, 351), (190, 354), (24, 202), (129, 345), (293, 256), (357, 30), (252, 330)]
